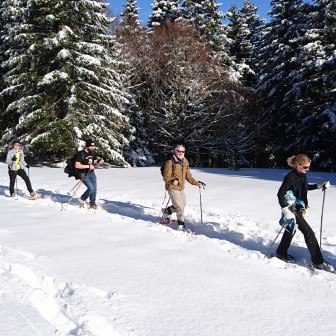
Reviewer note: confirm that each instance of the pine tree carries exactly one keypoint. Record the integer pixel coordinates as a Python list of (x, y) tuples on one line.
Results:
[(163, 11), (317, 108), (130, 15), (65, 85), (240, 48), (237, 129), (251, 40), (279, 71), (11, 15), (131, 36), (207, 19)]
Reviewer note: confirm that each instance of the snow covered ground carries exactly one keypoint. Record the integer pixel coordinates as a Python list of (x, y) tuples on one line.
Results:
[(118, 272)]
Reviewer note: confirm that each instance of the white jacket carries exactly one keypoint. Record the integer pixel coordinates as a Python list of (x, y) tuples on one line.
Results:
[(11, 163)]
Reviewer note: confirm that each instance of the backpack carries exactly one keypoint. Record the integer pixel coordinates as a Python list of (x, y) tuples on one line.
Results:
[(71, 169), (163, 164)]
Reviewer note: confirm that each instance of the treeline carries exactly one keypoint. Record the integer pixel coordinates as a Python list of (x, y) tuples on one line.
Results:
[(235, 90)]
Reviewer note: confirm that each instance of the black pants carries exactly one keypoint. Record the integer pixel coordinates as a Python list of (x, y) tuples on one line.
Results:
[(310, 239), (12, 178)]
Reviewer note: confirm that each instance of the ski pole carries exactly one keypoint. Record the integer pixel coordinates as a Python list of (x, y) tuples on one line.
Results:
[(16, 183), (69, 192), (164, 197), (269, 248), (203, 184), (201, 204), (164, 209), (324, 192), (79, 184)]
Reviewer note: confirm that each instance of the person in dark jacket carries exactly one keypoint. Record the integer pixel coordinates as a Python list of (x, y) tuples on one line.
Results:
[(16, 167), (296, 184), (86, 160)]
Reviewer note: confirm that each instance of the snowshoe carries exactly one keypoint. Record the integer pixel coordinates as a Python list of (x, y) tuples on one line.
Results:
[(286, 258), (325, 267), (167, 213), (34, 195)]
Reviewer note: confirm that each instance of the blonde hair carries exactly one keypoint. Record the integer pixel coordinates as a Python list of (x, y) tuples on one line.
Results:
[(300, 159)]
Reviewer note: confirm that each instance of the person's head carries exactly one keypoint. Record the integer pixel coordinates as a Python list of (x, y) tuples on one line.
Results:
[(300, 162), (15, 144), (89, 145), (179, 151)]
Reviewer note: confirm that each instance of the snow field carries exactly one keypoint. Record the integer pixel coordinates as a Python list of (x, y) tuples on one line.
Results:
[(118, 272)]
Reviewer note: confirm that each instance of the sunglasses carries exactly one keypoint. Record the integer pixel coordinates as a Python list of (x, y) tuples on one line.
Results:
[(305, 167), (179, 151)]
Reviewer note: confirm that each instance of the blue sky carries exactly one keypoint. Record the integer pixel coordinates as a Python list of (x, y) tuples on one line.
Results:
[(263, 5)]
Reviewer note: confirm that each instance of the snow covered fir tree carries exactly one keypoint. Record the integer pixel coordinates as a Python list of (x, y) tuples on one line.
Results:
[(164, 11), (296, 74), (61, 79), (227, 85)]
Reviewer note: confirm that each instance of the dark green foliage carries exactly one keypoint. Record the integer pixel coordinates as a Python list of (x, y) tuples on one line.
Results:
[(68, 85)]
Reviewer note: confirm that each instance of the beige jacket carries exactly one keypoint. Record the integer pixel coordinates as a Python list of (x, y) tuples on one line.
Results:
[(177, 172)]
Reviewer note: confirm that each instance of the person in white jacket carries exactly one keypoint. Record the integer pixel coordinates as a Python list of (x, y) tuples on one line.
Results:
[(16, 165)]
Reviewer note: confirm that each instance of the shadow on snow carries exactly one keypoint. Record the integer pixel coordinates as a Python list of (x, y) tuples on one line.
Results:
[(211, 230)]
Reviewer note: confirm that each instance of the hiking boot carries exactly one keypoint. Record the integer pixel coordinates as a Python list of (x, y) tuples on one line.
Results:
[(324, 267), (93, 206), (33, 194), (167, 213), (286, 258), (181, 226), (14, 196)]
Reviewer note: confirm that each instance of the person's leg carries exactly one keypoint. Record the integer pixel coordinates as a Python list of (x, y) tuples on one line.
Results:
[(179, 201), (93, 193), (12, 178), (285, 242), (91, 183), (24, 176), (310, 239)]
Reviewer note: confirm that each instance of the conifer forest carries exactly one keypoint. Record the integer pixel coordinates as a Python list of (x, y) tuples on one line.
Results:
[(235, 89)]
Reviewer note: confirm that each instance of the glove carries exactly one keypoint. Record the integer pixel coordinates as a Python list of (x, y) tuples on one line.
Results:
[(14, 158), (200, 184), (324, 185), (288, 213), (304, 213), (28, 166)]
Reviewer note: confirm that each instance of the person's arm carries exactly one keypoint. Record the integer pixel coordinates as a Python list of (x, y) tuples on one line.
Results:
[(80, 164), (9, 158), (323, 185), (97, 161), (190, 178), (285, 186)]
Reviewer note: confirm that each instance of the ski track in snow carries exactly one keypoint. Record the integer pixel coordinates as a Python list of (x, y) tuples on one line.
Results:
[(78, 310), (72, 309)]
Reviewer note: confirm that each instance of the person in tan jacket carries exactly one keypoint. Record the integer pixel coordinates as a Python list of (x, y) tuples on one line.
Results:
[(176, 172)]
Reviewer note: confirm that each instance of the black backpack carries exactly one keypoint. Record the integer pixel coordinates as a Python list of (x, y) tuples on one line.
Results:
[(70, 168)]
